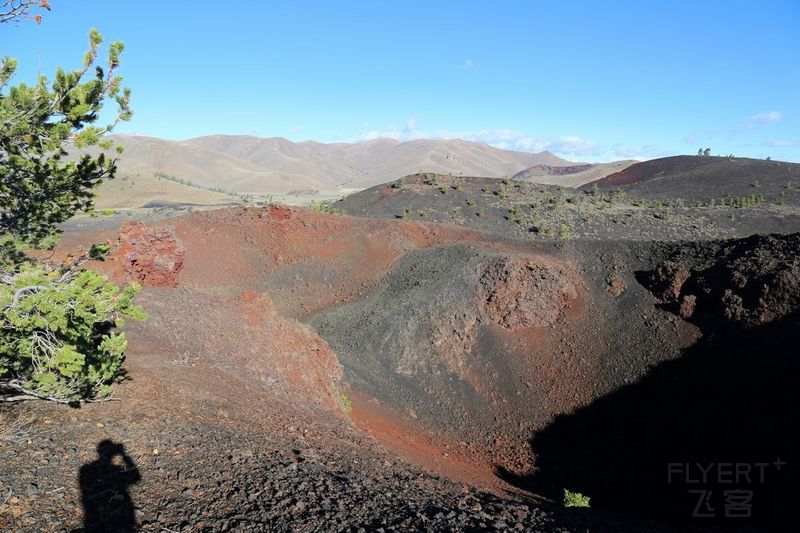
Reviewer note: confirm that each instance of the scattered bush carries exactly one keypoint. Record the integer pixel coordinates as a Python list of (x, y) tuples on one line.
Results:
[(325, 207), (515, 213), (575, 499), (503, 191), (347, 405), (564, 232), (430, 179)]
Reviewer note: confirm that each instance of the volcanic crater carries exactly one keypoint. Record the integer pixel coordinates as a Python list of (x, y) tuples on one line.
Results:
[(505, 369)]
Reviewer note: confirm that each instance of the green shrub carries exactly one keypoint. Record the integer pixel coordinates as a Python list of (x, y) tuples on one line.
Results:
[(347, 405), (431, 179), (503, 191), (325, 207), (515, 212), (56, 338), (575, 499)]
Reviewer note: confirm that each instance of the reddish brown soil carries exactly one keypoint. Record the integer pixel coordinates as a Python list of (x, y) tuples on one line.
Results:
[(230, 286), (453, 346), (243, 277), (414, 444)]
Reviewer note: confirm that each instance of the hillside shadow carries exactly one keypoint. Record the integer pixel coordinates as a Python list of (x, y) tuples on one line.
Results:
[(105, 495), (730, 400)]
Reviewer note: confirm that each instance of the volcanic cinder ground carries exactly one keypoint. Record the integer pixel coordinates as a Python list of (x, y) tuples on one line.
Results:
[(452, 370)]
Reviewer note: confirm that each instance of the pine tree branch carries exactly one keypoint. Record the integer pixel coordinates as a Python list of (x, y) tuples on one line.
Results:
[(12, 9)]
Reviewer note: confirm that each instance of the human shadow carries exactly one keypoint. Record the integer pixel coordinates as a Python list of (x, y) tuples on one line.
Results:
[(107, 503), (709, 438)]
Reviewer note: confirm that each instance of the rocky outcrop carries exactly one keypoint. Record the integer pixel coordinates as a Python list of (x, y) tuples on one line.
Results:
[(152, 257), (524, 292), (748, 282)]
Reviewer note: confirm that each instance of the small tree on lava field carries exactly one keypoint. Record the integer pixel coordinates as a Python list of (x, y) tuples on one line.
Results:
[(57, 338)]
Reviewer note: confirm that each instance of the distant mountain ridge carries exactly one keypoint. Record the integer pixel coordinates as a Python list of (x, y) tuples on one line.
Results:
[(573, 175), (246, 164)]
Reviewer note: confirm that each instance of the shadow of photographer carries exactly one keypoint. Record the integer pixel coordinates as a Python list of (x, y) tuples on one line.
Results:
[(107, 503)]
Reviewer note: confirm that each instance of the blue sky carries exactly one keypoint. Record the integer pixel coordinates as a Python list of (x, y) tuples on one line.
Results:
[(588, 80)]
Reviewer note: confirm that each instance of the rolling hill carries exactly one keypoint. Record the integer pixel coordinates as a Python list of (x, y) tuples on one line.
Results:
[(245, 164), (131, 192)]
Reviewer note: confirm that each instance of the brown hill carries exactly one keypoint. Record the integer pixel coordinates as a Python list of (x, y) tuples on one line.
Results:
[(697, 177), (571, 175), (130, 192), (247, 164)]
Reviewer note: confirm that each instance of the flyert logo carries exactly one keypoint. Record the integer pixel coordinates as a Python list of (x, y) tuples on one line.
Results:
[(734, 500)]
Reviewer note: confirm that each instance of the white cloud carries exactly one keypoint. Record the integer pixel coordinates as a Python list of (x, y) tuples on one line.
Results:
[(643, 152), (505, 139), (761, 119), (782, 143), (767, 118), (408, 132), (729, 134)]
